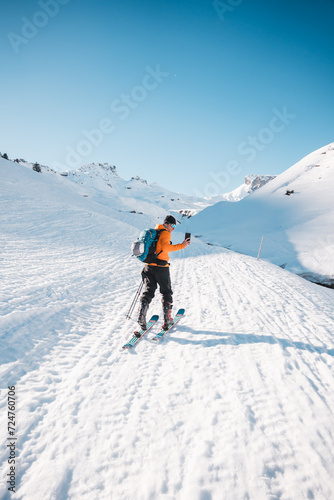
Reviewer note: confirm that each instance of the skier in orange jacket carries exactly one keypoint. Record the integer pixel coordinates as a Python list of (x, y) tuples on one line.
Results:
[(158, 274)]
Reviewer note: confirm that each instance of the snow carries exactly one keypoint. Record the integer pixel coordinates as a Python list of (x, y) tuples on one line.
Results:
[(236, 402), (298, 229)]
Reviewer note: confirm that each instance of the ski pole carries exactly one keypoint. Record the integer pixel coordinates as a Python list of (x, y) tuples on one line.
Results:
[(128, 316)]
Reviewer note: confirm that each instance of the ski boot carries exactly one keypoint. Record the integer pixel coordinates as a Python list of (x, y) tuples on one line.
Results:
[(168, 320)]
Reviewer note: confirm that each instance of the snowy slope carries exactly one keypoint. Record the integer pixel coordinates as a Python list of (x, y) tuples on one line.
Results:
[(236, 403), (103, 181), (298, 229)]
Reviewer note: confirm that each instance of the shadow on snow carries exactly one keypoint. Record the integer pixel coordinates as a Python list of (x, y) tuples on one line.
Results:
[(246, 338)]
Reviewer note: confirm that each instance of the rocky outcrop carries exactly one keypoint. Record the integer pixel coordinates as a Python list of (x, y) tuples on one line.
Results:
[(257, 181)]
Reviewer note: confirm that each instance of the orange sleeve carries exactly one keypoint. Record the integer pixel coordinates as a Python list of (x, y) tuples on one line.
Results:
[(166, 245)]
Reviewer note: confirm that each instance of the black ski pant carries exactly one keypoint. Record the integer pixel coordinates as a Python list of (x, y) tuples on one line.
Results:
[(152, 277)]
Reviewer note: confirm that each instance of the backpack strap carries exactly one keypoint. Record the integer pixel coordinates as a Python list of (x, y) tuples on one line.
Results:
[(160, 231), (160, 261)]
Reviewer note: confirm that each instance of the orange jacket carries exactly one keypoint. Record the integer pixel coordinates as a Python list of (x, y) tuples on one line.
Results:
[(164, 245)]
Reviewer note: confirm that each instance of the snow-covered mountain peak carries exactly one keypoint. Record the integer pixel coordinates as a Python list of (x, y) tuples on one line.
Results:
[(252, 183), (256, 181), (98, 169), (101, 176)]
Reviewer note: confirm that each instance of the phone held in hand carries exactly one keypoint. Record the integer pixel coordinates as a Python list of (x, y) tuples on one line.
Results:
[(187, 236)]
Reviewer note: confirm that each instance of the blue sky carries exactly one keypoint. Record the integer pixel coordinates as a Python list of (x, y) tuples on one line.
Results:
[(192, 95)]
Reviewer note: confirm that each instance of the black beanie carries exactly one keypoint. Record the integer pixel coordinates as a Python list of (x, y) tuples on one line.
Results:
[(170, 220)]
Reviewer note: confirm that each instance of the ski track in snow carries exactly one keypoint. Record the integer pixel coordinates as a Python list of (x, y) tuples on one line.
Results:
[(236, 402)]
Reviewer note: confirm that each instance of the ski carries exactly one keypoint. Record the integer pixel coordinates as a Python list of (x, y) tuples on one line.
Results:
[(138, 335), (178, 316)]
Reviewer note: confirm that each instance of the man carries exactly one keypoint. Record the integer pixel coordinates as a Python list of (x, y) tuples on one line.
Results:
[(158, 274)]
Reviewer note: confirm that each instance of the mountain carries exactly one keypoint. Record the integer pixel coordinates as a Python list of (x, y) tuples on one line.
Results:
[(102, 183), (251, 184), (104, 177), (294, 213), (297, 235), (98, 175), (257, 181), (136, 193), (235, 403)]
